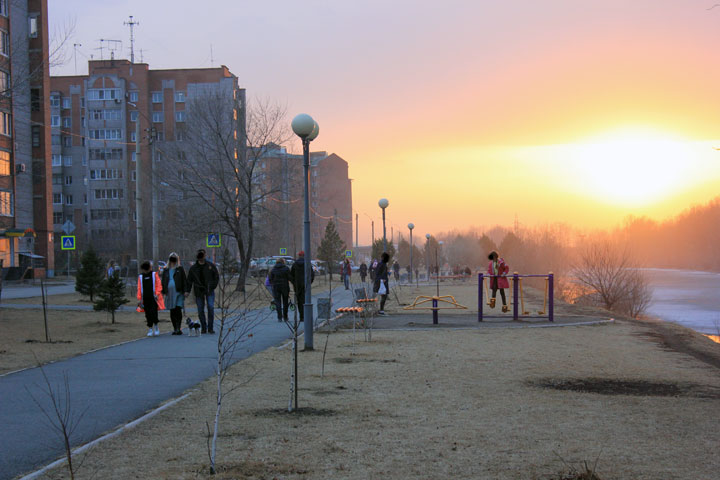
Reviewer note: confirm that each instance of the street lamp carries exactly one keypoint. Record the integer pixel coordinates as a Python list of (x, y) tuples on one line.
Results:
[(427, 255), (307, 129), (411, 226), (383, 203)]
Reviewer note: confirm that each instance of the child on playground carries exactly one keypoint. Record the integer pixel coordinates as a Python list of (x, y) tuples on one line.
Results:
[(149, 294), (498, 270)]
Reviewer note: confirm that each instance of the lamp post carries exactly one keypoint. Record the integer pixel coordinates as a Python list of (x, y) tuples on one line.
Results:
[(427, 255), (307, 129), (411, 226), (383, 203)]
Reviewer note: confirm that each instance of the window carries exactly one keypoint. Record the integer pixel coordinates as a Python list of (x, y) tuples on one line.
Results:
[(180, 97), (55, 120), (67, 122), (85, 199), (86, 215), (110, 114), (133, 97), (68, 200), (84, 158), (134, 156), (133, 116), (133, 136), (67, 160), (35, 134), (66, 141), (106, 154), (57, 179), (4, 83), (82, 122), (57, 198), (157, 97), (68, 180), (55, 100), (6, 204), (180, 134), (67, 102), (105, 174), (5, 126), (180, 116), (133, 175), (82, 102), (85, 180), (106, 134), (58, 218), (56, 160), (103, 94), (160, 136), (34, 99), (4, 8), (4, 163), (108, 193), (4, 43), (33, 27), (55, 140), (106, 214), (157, 117)]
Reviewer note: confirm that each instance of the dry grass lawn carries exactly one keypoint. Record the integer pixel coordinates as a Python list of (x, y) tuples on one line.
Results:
[(488, 403)]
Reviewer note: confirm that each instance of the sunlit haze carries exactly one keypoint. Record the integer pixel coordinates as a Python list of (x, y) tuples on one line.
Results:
[(465, 113)]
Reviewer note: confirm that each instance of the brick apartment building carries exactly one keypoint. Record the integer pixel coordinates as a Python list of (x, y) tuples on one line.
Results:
[(25, 230), (330, 199), (94, 138)]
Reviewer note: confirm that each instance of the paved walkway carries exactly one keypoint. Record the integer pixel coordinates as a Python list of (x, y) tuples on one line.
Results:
[(26, 291), (116, 385)]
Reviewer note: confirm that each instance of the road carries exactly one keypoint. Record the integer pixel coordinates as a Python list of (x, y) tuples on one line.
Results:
[(116, 385)]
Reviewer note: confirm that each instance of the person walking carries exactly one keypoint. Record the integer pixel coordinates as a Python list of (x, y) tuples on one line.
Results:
[(498, 270), (203, 278), (112, 269), (174, 285), (149, 295), (297, 277), (346, 271), (396, 270), (381, 286), (279, 278), (363, 272)]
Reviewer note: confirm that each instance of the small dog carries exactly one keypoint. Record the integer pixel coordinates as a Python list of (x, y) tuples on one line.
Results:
[(193, 325)]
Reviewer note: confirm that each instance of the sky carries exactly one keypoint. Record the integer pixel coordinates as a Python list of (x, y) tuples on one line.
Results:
[(464, 113)]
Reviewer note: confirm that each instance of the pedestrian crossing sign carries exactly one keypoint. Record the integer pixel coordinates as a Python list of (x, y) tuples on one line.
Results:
[(348, 253), (67, 242), (213, 240), (283, 251)]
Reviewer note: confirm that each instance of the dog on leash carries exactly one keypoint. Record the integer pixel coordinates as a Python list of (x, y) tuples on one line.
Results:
[(193, 327)]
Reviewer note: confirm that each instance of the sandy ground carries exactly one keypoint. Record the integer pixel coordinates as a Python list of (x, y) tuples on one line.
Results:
[(490, 403)]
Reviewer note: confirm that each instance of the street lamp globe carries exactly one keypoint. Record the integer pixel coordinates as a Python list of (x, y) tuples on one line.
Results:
[(411, 226), (383, 203), (303, 125), (427, 235), (316, 130)]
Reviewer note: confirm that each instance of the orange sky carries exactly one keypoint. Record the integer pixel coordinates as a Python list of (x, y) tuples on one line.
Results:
[(467, 113)]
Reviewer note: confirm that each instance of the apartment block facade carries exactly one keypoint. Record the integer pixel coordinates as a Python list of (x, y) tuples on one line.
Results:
[(26, 239), (95, 121)]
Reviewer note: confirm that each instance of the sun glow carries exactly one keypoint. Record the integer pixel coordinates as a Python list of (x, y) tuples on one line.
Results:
[(632, 166)]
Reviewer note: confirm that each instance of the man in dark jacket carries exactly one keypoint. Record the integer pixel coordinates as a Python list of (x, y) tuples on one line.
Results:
[(297, 277), (280, 280), (381, 277), (203, 278), (363, 272)]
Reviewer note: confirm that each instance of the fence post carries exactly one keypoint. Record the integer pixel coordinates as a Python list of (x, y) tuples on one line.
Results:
[(515, 295), (551, 299), (480, 297), (435, 311)]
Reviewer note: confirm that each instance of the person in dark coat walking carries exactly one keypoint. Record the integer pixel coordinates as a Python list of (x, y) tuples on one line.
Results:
[(363, 272), (297, 277), (396, 270), (381, 278), (346, 271), (203, 278), (174, 285), (280, 280)]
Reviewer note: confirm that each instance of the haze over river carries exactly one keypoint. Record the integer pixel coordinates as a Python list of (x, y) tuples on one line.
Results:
[(687, 297)]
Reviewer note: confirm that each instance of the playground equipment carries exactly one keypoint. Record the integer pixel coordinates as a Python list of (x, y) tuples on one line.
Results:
[(423, 299), (547, 311)]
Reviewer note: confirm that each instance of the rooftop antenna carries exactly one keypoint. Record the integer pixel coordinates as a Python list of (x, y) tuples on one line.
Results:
[(141, 55), (75, 47), (131, 23), (212, 60)]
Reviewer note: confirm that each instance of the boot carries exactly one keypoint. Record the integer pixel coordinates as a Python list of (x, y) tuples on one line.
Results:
[(492, 302), (505, 309)]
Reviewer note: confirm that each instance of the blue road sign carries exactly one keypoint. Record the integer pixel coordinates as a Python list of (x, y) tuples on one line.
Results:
[(283, 251), (67, 242), (213, 240), (348, 253)]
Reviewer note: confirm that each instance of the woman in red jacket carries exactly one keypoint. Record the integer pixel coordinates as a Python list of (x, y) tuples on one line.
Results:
[(498, 270), (149, 295)]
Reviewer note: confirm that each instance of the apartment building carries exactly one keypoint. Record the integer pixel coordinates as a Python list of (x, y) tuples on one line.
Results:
[(281, 225), (25, 230), (95, 120)]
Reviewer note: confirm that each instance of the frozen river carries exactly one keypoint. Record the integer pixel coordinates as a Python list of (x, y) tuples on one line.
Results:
[(689, 298)]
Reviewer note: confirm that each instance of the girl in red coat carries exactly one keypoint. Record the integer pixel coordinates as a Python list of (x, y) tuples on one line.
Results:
[(498, 270)]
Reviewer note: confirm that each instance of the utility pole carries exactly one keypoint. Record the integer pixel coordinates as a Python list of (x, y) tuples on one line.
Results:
[(132, 24), (356, 231), (138, 196)]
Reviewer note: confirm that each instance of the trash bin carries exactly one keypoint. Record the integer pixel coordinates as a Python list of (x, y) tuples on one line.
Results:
[(323, 308)]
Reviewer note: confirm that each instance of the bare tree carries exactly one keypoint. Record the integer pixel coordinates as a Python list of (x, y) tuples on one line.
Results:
[(216, 166), (610, 272), (235, 324)]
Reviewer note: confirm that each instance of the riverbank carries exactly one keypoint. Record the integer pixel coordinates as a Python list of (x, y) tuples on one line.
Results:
[(480, 403)]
